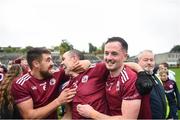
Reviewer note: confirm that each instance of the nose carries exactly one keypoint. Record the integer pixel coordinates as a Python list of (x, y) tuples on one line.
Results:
[(52, 63)]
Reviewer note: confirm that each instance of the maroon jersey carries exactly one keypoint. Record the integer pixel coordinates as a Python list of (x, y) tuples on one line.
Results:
[(121, 88), (90, 89), (145, 109), (42, 92)]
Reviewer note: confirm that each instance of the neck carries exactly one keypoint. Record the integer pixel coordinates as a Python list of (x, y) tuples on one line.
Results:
[(73, 74), (36, 74), (116, 72)]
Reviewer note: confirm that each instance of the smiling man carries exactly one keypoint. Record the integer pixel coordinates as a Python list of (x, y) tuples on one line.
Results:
[(121, 92), (36, 92)]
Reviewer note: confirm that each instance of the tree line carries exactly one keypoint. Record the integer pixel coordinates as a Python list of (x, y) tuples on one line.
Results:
[(65, 46)]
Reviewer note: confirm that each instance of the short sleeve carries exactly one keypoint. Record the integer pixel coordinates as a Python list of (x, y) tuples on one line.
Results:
[(19, 92)]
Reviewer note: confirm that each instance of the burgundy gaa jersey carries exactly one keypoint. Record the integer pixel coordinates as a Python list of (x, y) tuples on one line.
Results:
[(90, 89), (42, 92), (121, 88)]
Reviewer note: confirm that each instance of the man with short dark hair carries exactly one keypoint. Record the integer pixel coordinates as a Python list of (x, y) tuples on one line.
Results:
[(123, 99), (36, 92)]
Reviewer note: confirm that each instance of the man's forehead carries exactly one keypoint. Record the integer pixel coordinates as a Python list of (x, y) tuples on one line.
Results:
[(46, 56)]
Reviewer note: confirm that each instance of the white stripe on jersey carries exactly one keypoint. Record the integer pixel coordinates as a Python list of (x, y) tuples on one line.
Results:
[(124, 76), (23, 79), (122, 79), (65, 84)]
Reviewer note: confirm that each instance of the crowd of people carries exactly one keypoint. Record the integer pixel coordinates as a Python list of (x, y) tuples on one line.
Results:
[(30, 88)]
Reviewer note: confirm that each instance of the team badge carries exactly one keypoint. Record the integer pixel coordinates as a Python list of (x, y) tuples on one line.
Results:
[(52, 81), (84, 79), (171, 86)]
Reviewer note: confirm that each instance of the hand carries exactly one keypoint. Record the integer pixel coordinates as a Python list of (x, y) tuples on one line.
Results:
[(143, 84), (134, 66), (85, 110), (66, 95), (81, 66)]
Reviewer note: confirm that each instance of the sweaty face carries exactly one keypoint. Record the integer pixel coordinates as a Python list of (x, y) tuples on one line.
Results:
[(46, 66), (147, 62), (114, 56), (67, 62)]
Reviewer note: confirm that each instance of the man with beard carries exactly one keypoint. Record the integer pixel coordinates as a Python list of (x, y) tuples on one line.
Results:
[(36, 92), (158, 105)]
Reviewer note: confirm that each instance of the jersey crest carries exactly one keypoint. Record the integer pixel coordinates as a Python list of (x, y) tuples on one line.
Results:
[(52, 81), (84, 79)]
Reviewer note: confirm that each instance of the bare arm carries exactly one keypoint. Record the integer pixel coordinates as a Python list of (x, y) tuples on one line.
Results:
[(27, 111), (81, 66), (136, 67), (130, 110)]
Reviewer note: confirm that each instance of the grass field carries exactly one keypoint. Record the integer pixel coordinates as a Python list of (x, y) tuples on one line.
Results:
[(177, 71)]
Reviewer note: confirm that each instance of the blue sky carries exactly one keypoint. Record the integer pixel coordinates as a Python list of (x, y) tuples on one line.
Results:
[(144, 24)]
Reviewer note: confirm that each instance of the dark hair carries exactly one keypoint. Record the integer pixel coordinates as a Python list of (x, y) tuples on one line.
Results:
[(4, 68), (77, 53), (36, 54), (120, 40), (165, 65)]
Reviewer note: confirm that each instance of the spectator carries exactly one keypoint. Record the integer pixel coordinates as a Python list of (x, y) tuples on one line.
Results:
[(8, 109), (3, 71), (171, 74), (157, 96), (172, 94)]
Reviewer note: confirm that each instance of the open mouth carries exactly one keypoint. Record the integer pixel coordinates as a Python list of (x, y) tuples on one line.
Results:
[(63, 66), (110, 62)]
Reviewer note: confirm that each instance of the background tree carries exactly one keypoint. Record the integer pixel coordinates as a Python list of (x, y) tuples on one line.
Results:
[(65, 46), (92, 48), (102, 47), (175, 49)]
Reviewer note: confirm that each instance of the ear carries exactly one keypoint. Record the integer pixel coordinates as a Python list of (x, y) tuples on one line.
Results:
[(75, 58), (125, 56), (35, 63)]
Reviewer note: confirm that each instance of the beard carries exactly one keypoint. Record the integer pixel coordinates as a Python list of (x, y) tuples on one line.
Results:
[(149, 70), (46, 74)]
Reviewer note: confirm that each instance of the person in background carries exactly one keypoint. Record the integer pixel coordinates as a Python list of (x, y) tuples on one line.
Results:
[(23, 62), (8, 109), (171, 74), (3, 71), (157, 96), (172, 93), (36, 92), (10, 62)]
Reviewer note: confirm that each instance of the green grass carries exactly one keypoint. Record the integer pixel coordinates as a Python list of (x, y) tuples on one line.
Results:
[(177, 71)]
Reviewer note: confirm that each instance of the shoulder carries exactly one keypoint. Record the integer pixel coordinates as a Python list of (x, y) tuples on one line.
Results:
[(171, 72), (22, 79), (98, 67), (127, 70)]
